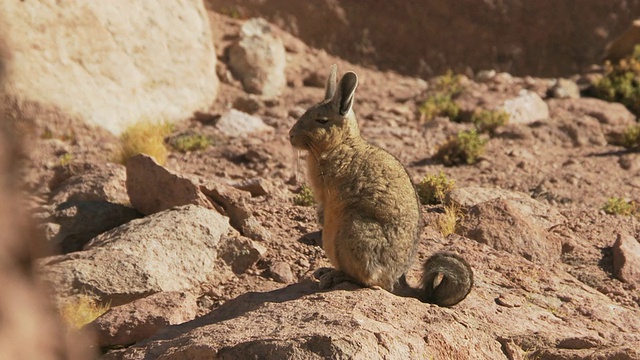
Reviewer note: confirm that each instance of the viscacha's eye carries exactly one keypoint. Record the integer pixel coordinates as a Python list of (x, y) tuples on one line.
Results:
[(322, 120)]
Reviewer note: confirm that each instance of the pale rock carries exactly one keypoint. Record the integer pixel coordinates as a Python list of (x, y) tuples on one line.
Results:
[(485, 75), (258, 59), (129, 323), (526, 108), (173, 250), (110, 63), (236, 123), (565, 88), (153, 188)]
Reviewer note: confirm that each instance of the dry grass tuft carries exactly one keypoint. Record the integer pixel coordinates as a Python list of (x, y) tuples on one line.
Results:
[(144, 137), (82, 310), (448, 222)]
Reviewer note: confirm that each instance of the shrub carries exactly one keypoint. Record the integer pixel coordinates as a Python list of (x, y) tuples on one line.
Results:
[(449, 83), (65, 159), (631, 137), (433, 188), (440, 101), (82, 310), (144, 137), (487, 121), (304, 197), (465, 148), (439, 105), (621, 82), (190, 142), (619, 206)]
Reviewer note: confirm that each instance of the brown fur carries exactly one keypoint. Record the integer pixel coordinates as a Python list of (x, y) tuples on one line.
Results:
[(368, 206)]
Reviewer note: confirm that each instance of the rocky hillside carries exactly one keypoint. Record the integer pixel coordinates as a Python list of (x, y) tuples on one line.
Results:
[(425, 38), (212, 254)]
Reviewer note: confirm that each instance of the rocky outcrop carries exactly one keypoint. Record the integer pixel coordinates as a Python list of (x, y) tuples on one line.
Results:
[(556, 314), (110, 63), (513, 34), (354, 324)]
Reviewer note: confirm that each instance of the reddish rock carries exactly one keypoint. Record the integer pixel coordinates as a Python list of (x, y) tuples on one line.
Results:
[(500, 224), (89, 182), (153, 188), (143, 318), (626, 259)]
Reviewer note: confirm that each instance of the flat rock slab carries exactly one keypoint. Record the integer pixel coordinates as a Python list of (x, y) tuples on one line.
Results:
[(296, 323)]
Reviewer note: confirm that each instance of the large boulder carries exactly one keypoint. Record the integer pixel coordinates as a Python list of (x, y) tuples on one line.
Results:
[(173, 250), (110, 62)]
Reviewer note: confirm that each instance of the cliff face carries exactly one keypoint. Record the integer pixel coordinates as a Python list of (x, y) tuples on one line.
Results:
[(416, 37)]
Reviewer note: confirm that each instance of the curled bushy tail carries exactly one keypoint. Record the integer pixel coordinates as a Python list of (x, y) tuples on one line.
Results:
[(446, 280)]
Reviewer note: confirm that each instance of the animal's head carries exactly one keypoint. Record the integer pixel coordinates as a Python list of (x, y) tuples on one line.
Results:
[(331, 122)]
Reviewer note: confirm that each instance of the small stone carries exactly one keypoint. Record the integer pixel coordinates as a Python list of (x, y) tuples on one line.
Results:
[(281, 272), (485, 75), (255, 186), (248, 104), (508, 300)]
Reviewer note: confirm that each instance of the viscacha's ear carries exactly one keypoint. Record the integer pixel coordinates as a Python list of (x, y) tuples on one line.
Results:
[(343, 98), (331, 83)]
